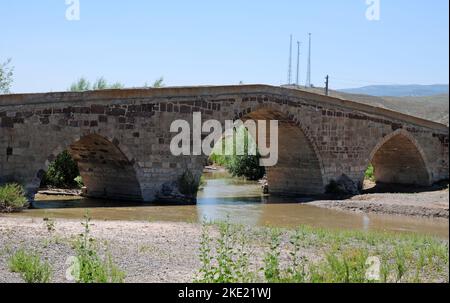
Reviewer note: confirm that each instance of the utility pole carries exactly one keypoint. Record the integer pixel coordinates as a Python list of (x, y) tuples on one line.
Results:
[(308, 75), (327, 78), (297, 82), (290, 63)]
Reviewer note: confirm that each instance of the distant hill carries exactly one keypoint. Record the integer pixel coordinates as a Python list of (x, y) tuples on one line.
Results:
[(434, 108), (400, 90)]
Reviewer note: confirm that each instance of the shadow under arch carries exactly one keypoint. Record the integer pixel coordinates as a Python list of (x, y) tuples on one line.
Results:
[(106, 170), (399, 159), (299, 170)]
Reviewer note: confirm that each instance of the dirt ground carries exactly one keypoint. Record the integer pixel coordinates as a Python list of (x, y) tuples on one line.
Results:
[(430, 204)]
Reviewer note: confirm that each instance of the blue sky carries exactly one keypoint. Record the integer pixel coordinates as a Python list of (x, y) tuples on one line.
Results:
[(223, 42)]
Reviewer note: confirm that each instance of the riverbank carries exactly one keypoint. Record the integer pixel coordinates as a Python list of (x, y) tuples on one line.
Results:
[(431, 204), (169, 252)]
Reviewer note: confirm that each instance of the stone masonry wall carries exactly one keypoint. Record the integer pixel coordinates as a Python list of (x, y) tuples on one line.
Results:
[(321, 138)]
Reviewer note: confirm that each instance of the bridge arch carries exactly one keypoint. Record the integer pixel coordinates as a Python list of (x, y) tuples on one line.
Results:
[(299, 170), (106, 167), (399, 159)]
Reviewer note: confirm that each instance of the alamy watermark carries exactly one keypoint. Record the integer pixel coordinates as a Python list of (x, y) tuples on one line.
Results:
[(202, 137), (73, 10), (373, 11)]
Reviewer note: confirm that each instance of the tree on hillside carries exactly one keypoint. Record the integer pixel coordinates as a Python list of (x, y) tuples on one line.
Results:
[(6, 76)]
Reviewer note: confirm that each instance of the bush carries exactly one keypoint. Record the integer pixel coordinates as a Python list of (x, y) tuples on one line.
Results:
[(30, 267), (188, 185), (12, 198), (62, 172), (226, 258), (91, 268), (246, 166), (370, 173)]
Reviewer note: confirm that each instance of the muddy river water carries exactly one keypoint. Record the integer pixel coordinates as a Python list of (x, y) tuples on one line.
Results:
[(239, 201)]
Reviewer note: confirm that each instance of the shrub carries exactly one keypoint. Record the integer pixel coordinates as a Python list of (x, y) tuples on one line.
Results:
[(370, 173), (272, 259), (30, 267), (92, 269), (246, 165), (12, 198), (62, 172), (225, 258), (188, 185)]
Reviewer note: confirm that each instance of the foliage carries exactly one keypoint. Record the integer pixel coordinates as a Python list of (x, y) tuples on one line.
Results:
[(62, 173), (370, 173), (342, 257), (30, 267), (80, 86), (246, 165), (79, 181), (92, 269), (101, 83), (188, 184), (272, 259), (12, 198), (6, 77), (158, 83), (224, 260)]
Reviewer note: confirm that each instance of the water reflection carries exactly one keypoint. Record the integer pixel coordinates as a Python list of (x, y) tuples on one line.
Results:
[(225, 198)]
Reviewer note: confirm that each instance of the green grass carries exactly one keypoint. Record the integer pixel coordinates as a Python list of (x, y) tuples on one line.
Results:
[(30, 267), (334, 256), (12, 198)]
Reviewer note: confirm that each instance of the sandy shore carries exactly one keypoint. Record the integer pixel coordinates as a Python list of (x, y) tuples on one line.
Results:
[(433, 204)]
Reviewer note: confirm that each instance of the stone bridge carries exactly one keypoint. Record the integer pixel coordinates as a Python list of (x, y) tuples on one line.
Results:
[(121, 138)]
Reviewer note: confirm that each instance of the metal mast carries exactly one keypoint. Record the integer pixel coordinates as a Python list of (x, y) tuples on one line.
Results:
[(290, 62), (298, 63), (308, 75)]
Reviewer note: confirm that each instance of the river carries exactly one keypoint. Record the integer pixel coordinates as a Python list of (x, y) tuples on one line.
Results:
[(239, 201)]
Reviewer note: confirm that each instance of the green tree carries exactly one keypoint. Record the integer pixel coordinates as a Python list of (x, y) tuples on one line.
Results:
[(62, 173), (6, 76), (100, 83), (83, 84), (157, 84), (80, 86), (246, 165)]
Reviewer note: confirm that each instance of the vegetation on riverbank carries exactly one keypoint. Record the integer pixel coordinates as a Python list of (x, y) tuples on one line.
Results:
[(89, 267), (12, 198), (247, 165), (62, 173), (30, 267), (370, 173), (226, 252)]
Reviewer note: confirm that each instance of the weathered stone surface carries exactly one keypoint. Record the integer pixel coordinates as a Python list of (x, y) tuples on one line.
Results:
[(121, 139)]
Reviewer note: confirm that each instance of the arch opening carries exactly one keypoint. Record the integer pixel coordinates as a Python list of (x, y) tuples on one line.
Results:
[(298, 171), (399, 161), (105, 171)]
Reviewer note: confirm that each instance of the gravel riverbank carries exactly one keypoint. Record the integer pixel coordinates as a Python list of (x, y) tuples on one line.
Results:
[(432, 204), (153, 252)]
